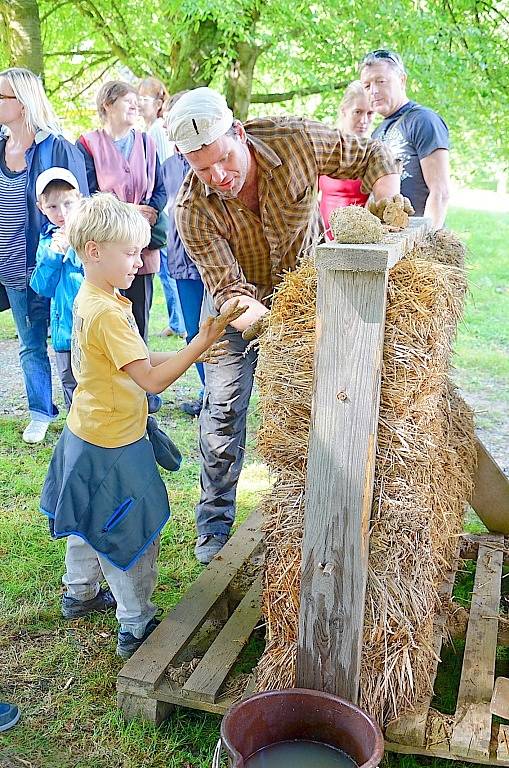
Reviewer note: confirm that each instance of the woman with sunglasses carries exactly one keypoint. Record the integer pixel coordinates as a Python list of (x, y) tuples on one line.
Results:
[(355, 117), (30, 142)]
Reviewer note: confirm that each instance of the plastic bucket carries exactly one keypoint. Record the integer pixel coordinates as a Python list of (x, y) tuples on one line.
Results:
[(299, 714)]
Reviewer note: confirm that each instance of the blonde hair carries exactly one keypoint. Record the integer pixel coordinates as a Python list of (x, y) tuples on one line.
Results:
[(109, 93), (156, 89), (106, 219), (29, 91), (353, 91)]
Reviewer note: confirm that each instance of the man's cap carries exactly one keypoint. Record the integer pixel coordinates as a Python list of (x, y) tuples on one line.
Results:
[(54, 174), (199, 117)]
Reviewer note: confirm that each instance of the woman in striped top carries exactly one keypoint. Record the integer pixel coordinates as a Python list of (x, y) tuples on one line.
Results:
[(30, 142)]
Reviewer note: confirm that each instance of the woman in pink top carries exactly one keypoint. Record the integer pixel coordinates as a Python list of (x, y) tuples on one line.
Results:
[(356, 117)]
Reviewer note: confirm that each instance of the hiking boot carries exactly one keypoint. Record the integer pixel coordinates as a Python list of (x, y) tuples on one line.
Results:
[(192, 408), (208, 546), (127, 643), (9, 715), (35, 432), (74, 609)]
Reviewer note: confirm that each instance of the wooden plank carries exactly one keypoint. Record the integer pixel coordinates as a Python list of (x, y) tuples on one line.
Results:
[(341, 460), (206, 680), (499, 704), (148, 664), (472, 731), (441, 752), (411, 728), (165, 694), (376, 257), (490, 499), (503, 742), (469, 546)]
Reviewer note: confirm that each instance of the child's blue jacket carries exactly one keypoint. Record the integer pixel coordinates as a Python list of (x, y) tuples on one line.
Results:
[(58, 277)]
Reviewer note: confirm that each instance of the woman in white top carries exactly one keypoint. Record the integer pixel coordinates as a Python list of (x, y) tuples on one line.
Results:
[(151, 96)]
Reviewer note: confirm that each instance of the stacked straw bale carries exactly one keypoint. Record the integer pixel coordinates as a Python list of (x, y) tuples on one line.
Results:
[(425, 461)]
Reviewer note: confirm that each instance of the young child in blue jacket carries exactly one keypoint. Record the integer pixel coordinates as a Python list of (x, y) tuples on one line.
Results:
[(58, 272)]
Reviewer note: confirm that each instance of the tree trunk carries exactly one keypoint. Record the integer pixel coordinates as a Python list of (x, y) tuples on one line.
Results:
[(21, 34), (188, 59), (239, 80)]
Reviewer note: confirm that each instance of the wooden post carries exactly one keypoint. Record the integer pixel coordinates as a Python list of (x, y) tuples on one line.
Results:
[(351, 300)]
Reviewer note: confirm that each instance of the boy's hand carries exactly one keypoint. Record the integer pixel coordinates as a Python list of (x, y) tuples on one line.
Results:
[(214, 327), (213, 353), (59, 242)]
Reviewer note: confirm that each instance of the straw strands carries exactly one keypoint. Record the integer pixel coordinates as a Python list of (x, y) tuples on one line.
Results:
[(425, 460)]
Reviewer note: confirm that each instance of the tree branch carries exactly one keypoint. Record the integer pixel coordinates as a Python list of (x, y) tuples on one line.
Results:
[(271, 98), (55, 8), (68, 54)]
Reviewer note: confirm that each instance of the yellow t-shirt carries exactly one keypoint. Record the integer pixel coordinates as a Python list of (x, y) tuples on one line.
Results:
[(108, 408)]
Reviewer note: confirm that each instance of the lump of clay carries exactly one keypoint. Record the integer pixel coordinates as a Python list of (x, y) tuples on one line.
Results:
[(354, 224)]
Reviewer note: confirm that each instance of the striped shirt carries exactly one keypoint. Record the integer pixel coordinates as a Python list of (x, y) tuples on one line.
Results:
[(13, 211), (240, 253)]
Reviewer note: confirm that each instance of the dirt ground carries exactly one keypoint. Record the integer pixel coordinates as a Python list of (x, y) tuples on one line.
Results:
[(492, 415)]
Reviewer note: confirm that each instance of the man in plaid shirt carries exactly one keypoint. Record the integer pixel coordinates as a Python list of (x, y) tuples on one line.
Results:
[(245, 214)]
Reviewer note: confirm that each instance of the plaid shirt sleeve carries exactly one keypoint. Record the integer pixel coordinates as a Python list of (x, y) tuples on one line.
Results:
[(343, 156), (219, 269)]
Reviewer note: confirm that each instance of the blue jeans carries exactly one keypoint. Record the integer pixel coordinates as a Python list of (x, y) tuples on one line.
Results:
[(191, 295), (33, 352), (175, 318)]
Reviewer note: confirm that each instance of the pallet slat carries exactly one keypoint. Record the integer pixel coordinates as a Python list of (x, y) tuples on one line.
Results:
[(471, 736), (147, 666), (208, 677)]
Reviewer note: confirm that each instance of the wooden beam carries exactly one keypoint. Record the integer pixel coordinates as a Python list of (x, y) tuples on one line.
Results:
[(351, 301), (471, 735), (490, 499), (206, 680)]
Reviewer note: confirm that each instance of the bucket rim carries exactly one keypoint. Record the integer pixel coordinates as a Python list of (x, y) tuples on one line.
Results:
[(378, 749)]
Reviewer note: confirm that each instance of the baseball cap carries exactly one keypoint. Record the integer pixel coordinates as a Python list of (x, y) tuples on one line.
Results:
[(199, 117), (53, 174)]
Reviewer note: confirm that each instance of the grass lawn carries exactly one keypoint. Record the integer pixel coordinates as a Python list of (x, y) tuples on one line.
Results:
[(63, 674)]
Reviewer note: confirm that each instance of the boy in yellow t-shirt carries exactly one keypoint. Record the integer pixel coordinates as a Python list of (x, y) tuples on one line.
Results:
[(103, 489)]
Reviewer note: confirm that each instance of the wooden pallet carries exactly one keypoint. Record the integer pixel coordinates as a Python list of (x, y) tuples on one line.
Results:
[(216, 617), (470, 734), (190, 657)]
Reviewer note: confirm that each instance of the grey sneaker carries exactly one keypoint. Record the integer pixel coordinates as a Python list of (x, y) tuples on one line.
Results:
[(127, 643), (73, 609), (208, 546)]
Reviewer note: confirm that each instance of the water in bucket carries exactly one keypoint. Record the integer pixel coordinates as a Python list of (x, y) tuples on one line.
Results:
[(299, 754)]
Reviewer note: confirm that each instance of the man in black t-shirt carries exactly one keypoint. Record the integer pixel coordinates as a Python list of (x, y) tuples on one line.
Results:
[(417, 136)]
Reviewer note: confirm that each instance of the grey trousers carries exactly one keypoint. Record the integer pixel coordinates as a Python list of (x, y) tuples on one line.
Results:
[(131, 589), (222, 425), (63, 363)]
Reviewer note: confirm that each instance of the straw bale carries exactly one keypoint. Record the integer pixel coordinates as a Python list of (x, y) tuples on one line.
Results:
[(424, 466)]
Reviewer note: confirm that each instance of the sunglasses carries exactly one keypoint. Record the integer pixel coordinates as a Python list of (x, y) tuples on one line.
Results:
[(383, 53), (3, 96)]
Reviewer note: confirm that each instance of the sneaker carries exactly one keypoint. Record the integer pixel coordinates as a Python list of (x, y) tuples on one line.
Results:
[(35, 432), (208, 546), (192, 408), (154, 402), (9, 715), (74, 609), (127, 643)]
